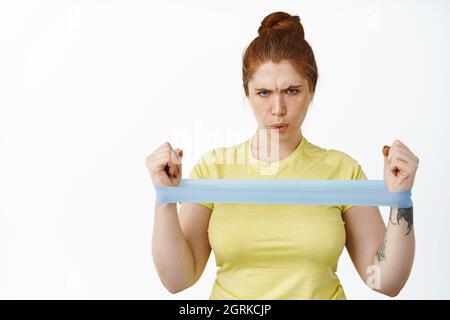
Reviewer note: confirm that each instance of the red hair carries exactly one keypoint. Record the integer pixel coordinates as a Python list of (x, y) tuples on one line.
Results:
[(281, 37)]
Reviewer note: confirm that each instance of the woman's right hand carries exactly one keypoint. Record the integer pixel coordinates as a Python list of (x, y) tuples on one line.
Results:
[(164, 166)]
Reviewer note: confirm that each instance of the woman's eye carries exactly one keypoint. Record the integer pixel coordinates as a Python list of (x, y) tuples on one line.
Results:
[(263, 93), (292, 91)]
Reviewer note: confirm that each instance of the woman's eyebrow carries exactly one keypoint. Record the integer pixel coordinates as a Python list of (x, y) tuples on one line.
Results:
[(294, 86)]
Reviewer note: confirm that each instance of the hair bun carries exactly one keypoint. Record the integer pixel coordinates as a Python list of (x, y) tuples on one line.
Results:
[(281, 21)]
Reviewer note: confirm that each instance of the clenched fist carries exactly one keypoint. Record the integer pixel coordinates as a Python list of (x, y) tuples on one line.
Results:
[(164, 166), (400, 167)]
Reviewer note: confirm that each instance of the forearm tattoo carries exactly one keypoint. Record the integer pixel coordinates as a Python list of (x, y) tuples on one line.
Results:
[(381, 250), (402, 213), (405, 214)]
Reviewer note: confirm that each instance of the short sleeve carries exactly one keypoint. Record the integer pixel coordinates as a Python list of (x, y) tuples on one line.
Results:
[(202, 171), (356, 173)]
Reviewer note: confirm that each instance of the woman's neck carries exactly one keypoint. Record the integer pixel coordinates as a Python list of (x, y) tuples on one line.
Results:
[(264, 145)]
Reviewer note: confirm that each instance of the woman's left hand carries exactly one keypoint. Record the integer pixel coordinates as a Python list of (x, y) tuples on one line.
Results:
[(400, 166)]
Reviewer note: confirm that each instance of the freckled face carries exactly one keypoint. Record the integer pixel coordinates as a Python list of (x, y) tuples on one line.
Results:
[(278, 93)]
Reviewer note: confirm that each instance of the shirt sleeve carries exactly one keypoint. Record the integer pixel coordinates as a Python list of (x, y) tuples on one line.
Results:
[(356, 173), (202, 170)]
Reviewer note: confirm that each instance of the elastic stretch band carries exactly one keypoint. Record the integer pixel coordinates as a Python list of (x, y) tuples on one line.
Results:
[(279, 191)]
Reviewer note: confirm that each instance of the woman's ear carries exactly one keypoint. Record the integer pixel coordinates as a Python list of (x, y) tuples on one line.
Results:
[(308, 105), (246, 101)]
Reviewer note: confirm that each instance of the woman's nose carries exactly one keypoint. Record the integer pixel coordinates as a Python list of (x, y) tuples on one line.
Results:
[(278, 107)]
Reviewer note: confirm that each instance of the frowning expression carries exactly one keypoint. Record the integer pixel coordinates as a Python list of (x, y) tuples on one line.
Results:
[(279, 96)]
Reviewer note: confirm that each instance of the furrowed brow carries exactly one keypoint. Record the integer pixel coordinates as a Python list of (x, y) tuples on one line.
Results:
[(288, 87)]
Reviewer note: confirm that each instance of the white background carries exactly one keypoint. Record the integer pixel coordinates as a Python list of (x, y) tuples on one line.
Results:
[(89, 88)]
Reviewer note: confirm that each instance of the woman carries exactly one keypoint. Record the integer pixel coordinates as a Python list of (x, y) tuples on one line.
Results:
[(281, 251)]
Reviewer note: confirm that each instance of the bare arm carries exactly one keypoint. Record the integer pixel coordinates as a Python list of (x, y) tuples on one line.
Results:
[(180, 245), (382, 256), (395, 254)]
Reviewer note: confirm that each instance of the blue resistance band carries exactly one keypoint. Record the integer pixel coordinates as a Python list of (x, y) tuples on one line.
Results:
[(284, 191)]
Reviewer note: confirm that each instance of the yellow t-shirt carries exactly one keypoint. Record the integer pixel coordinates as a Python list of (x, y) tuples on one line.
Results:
[(276, 251)]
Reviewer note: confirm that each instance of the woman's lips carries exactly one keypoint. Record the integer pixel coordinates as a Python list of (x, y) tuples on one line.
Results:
[(280, 128)]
